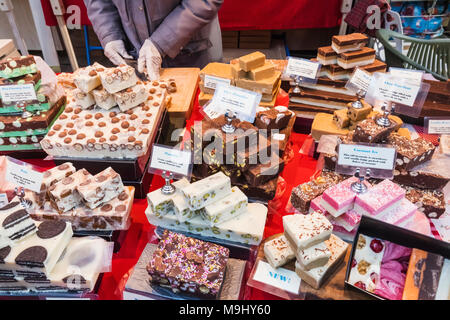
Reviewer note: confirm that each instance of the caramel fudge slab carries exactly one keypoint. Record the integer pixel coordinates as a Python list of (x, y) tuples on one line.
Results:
[(369, 131), (350, 42), (376, 66), (324, 124), (335, 72), (430, 202), (265, 71), (263, 86), (341, 119), (349, 60), (216, 69), (319, 98), (17, 67), (410, 153), (252, 61), (188, 265), (278, 251), (327, 56)]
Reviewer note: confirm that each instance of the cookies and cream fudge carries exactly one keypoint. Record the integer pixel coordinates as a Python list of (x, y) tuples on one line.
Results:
[(326, 56), (278, 251), (15, 222), (40, 252), (213, 188), (64, 195), (410, 153), (226, 208), (103, 99), (247, 228), (101, 188), (313, 257), (304, 231), (82, 99), (189, 265), (381, 198), (353, 59), (349, 42), (17, 67), (87, 79), (131, 97), (118, 78), (317, 276), (163, 204)]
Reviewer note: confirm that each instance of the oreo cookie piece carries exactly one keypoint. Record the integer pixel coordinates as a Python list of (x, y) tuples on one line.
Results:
[(51, 229), (15, 222), (4, 252), (33, 257)]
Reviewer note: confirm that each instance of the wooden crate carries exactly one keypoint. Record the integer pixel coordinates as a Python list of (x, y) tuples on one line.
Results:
[(255, 39)]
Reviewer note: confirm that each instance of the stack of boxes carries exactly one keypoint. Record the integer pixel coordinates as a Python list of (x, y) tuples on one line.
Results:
[(23, 124)]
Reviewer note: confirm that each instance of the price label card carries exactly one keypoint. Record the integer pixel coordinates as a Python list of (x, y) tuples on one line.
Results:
[(3, 200), (242, 102), (211, 111), (437, 125), (17, 93), (23, 175), (415, 76), (302, 68), (360, 80), (380, 160), (212, 82), (397, 90), (279, 136), (279, 278), (178, 162)]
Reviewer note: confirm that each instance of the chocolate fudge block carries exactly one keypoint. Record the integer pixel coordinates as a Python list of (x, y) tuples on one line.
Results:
[(430, 202), (410, 153), (349, 60), (273, 118), (369, 131), (349, 42), (341, 119), (420, 179), (261, 173), (263, 192), (17, 67), (233, 173), (254, 154), (334, 100), (189, 265), (302, 195)]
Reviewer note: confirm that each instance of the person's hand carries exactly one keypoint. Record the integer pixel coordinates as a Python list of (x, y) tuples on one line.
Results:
[(115, 51), (150, 60)]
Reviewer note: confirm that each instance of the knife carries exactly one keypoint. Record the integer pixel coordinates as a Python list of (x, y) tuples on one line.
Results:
[(133, 63)]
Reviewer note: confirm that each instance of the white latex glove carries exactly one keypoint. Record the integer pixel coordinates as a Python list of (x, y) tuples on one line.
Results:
[(150, 60), (115, 51)]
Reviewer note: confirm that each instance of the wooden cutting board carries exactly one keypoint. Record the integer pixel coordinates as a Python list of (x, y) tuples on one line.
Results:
[(6, 48), (187, 84)]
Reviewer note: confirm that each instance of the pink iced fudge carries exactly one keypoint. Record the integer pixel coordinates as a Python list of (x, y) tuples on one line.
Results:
[(379, 198), (400, 213), (347, 221), (339, 198)]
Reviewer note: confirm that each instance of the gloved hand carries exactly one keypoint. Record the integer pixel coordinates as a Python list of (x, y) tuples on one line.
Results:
[(115, 51), (150, 60)]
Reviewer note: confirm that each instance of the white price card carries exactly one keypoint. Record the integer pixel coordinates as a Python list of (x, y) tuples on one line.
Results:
[(302, 68), (3, 200), (178, 162), (212, 112), (242, 102), (278, 136), (360, 80), (23, 175), (212, 82), (15, 93), (415, 76), (279, 278), (366, 156), (396, 90), (438, 126)]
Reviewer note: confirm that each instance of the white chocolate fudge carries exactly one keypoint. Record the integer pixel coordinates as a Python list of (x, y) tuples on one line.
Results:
[(103, 99), (131, 97), (118, 79), (313, 257), (63, 195), (278, 251), (87, 79), (248, 228), (315, 277), (40, 252), (15, 222), (162, 204), (226, 208), (82, 99), (102, 188), (304, 231), (203, 192), (52, 176)]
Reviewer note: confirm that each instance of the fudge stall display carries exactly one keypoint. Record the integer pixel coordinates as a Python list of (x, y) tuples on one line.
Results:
[(24, 124)]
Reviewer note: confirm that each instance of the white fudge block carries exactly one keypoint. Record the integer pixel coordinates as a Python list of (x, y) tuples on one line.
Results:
[(102, 188), (315, 277), (162, 204), (15, 223), (248, 228), (103, 99), (87, 79), (82, 99), (213, 188), (313, 257), (52, 176), (226, 208), (304, 231), (40, 252), (118, 79), (278, 251), (131, 97)]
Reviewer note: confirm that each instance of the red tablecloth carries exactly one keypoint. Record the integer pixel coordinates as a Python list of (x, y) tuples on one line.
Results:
[(251, 14)]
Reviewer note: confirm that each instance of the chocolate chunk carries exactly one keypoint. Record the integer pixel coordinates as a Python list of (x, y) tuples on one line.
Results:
[(33, 257), (123, 196), (106, 208), (50, 229)]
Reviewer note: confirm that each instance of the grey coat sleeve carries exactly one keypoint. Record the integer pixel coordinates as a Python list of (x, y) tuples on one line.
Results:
[(178, 28), (105, 20)]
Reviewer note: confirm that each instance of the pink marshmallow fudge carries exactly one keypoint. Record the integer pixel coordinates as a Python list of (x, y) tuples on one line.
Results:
[(348, 221), (340, 198), (400, 213), (379, 199)]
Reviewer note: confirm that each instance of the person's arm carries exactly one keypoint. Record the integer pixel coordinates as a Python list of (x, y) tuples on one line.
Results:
[(178, 28), (105, 19)]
